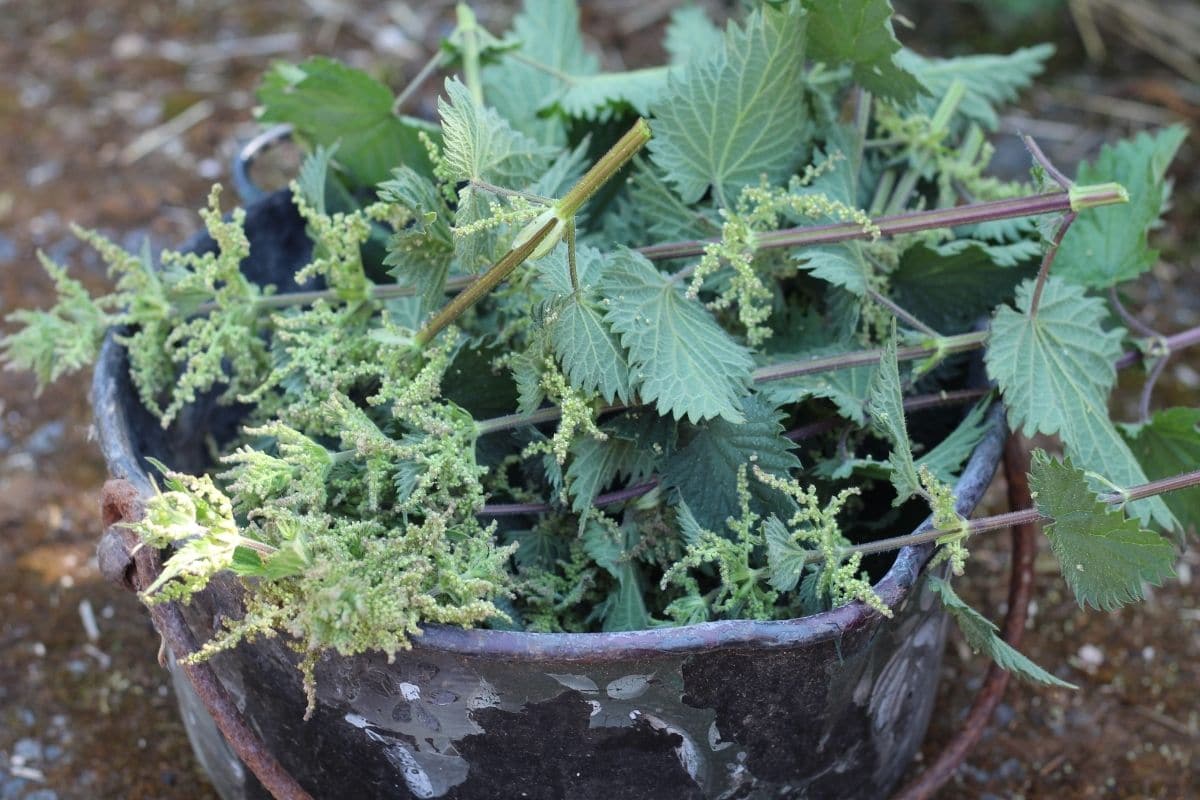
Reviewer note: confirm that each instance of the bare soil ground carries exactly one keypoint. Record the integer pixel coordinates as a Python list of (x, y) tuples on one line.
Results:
[(93, 104)]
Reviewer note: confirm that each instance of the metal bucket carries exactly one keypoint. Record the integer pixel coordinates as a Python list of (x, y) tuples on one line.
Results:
[(831, 705)]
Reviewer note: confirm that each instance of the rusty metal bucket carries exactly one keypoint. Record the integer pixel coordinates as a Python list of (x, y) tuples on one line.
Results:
[(831, 705)]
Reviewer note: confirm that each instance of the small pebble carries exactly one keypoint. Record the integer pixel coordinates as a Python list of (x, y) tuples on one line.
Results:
[(28, 750), (1091, 656), (42, 794)]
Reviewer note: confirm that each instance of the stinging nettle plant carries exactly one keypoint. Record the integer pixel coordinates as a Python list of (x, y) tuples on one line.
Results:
[(607, 351)]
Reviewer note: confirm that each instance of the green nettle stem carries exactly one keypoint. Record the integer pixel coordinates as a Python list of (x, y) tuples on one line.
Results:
[(468, 27), (1026, 516), (542, 231)]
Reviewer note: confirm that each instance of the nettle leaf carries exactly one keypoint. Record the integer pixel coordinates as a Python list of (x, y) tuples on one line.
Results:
[(785, 557), (886, 407), (598, 98), (1105, 556), (597, 463), (847, 389), (331, 104), (1056, 371), (625, 608), (840, 264), (1167, 445), (737, 114), (549, 34), (479, 144), (420, 254), (690, 35), (592, 358), (705, 469), (680, 359), (946, 459), (1108, 245), (859, 32), (950, 287), (982, 635), (991, 80)]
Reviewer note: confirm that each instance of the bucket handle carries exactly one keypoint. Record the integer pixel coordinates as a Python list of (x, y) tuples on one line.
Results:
[(247, 190)]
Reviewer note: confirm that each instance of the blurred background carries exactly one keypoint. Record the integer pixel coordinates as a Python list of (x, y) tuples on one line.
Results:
[(118, 115)]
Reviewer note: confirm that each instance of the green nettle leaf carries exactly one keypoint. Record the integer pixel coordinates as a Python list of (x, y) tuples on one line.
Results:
[(1167, 445), (982, 635), (1055, 372), (592, 358), (479, 144), (785, 557), (859, 32), (597, 463), (625, 608), (949, 287), (840, 264), (420, 253), (331, 104), (690, 35), (991, 80), (549, 34), (680, 359), (847, 389), (1105, 556), (945, 460), (886, 407), (705, 469), (735, 115), (1108, 245), (598, 98)]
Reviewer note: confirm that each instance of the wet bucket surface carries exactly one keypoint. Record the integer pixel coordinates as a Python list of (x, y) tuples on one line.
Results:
[(831, 705)]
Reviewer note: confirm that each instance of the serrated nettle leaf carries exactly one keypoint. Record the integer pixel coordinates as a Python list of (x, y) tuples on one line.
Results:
[(1105, 556), (946, 459), (599, 98), (885, 404), (951, 287), (421, 253), (785, 557), (680, 359), (1169, 444), (690, 35), (597, 463), (549, 34), (736, 114), (625, 608), (704, 470), (991, 80), (859, 33), (847, 389), (983, 636), (690, 529), (1105, 246), (1055, 372), (840, 264), (331, 104), (479, 144), (592, 357)]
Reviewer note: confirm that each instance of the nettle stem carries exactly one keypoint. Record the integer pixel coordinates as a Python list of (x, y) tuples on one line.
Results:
[(910, 222), (543, 232), (1026, 516)]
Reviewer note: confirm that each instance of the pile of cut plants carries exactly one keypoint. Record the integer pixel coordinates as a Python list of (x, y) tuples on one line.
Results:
[(607, 351)]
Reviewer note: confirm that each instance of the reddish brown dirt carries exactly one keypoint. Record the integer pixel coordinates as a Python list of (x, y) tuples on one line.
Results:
[(81, 718)]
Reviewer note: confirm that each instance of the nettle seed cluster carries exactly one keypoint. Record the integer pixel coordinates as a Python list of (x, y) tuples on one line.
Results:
[(613, 437)]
